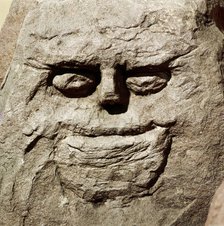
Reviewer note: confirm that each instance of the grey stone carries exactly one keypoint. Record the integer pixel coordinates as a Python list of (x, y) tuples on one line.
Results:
[(10, 30), (112, 114)]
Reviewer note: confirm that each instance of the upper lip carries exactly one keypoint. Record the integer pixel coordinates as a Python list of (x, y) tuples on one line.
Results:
[(105, 130)]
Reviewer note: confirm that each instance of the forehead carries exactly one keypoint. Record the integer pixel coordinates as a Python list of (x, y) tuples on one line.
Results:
[(104, 31)]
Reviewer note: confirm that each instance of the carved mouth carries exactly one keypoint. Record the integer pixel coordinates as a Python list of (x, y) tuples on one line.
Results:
[(114, 149), (112, 129), (107, 130), (106, 167)]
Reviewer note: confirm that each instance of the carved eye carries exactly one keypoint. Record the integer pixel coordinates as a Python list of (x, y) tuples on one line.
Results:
[(77, 83), (147, 83)]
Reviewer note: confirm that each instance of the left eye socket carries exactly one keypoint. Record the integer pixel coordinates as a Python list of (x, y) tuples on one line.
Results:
[(76, 83), (70, 81), (144, 83)]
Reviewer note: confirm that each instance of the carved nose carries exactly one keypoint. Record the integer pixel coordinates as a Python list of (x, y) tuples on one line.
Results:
[(109, 93), (113, 91)]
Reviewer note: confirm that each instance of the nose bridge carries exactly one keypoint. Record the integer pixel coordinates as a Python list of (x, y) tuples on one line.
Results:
[(108, 86), (113, 93)]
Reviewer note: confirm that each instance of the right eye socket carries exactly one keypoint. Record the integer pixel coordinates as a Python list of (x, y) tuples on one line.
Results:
[(76, 83), (147, 83)]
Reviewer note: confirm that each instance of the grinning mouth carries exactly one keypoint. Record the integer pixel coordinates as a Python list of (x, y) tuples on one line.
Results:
[(111, 166), (117, 150)]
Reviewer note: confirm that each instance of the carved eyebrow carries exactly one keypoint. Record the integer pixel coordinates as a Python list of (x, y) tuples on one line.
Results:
[(36, 64), (76, 65), (63, 65), (82, 69), (149, 69)]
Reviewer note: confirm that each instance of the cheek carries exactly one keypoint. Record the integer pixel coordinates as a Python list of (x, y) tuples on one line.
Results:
[(52, 117), (160, 107), (77, 111)]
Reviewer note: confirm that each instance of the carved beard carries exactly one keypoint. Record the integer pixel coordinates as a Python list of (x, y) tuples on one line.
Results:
[(108, 167)]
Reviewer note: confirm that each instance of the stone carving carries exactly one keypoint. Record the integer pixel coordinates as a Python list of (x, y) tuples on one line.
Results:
[(112, 113)]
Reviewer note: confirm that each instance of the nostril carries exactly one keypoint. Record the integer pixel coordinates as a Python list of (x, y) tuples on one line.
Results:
[(114, 104), (114, 108)]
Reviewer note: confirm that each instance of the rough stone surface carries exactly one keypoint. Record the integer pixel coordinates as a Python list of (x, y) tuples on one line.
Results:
[(216, 210), (10, 30), (112, 114)]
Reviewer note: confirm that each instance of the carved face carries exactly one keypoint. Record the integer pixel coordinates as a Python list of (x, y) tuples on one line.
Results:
[(106, 90)]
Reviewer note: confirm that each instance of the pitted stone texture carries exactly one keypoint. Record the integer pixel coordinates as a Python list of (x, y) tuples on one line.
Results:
[(112, 114)]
